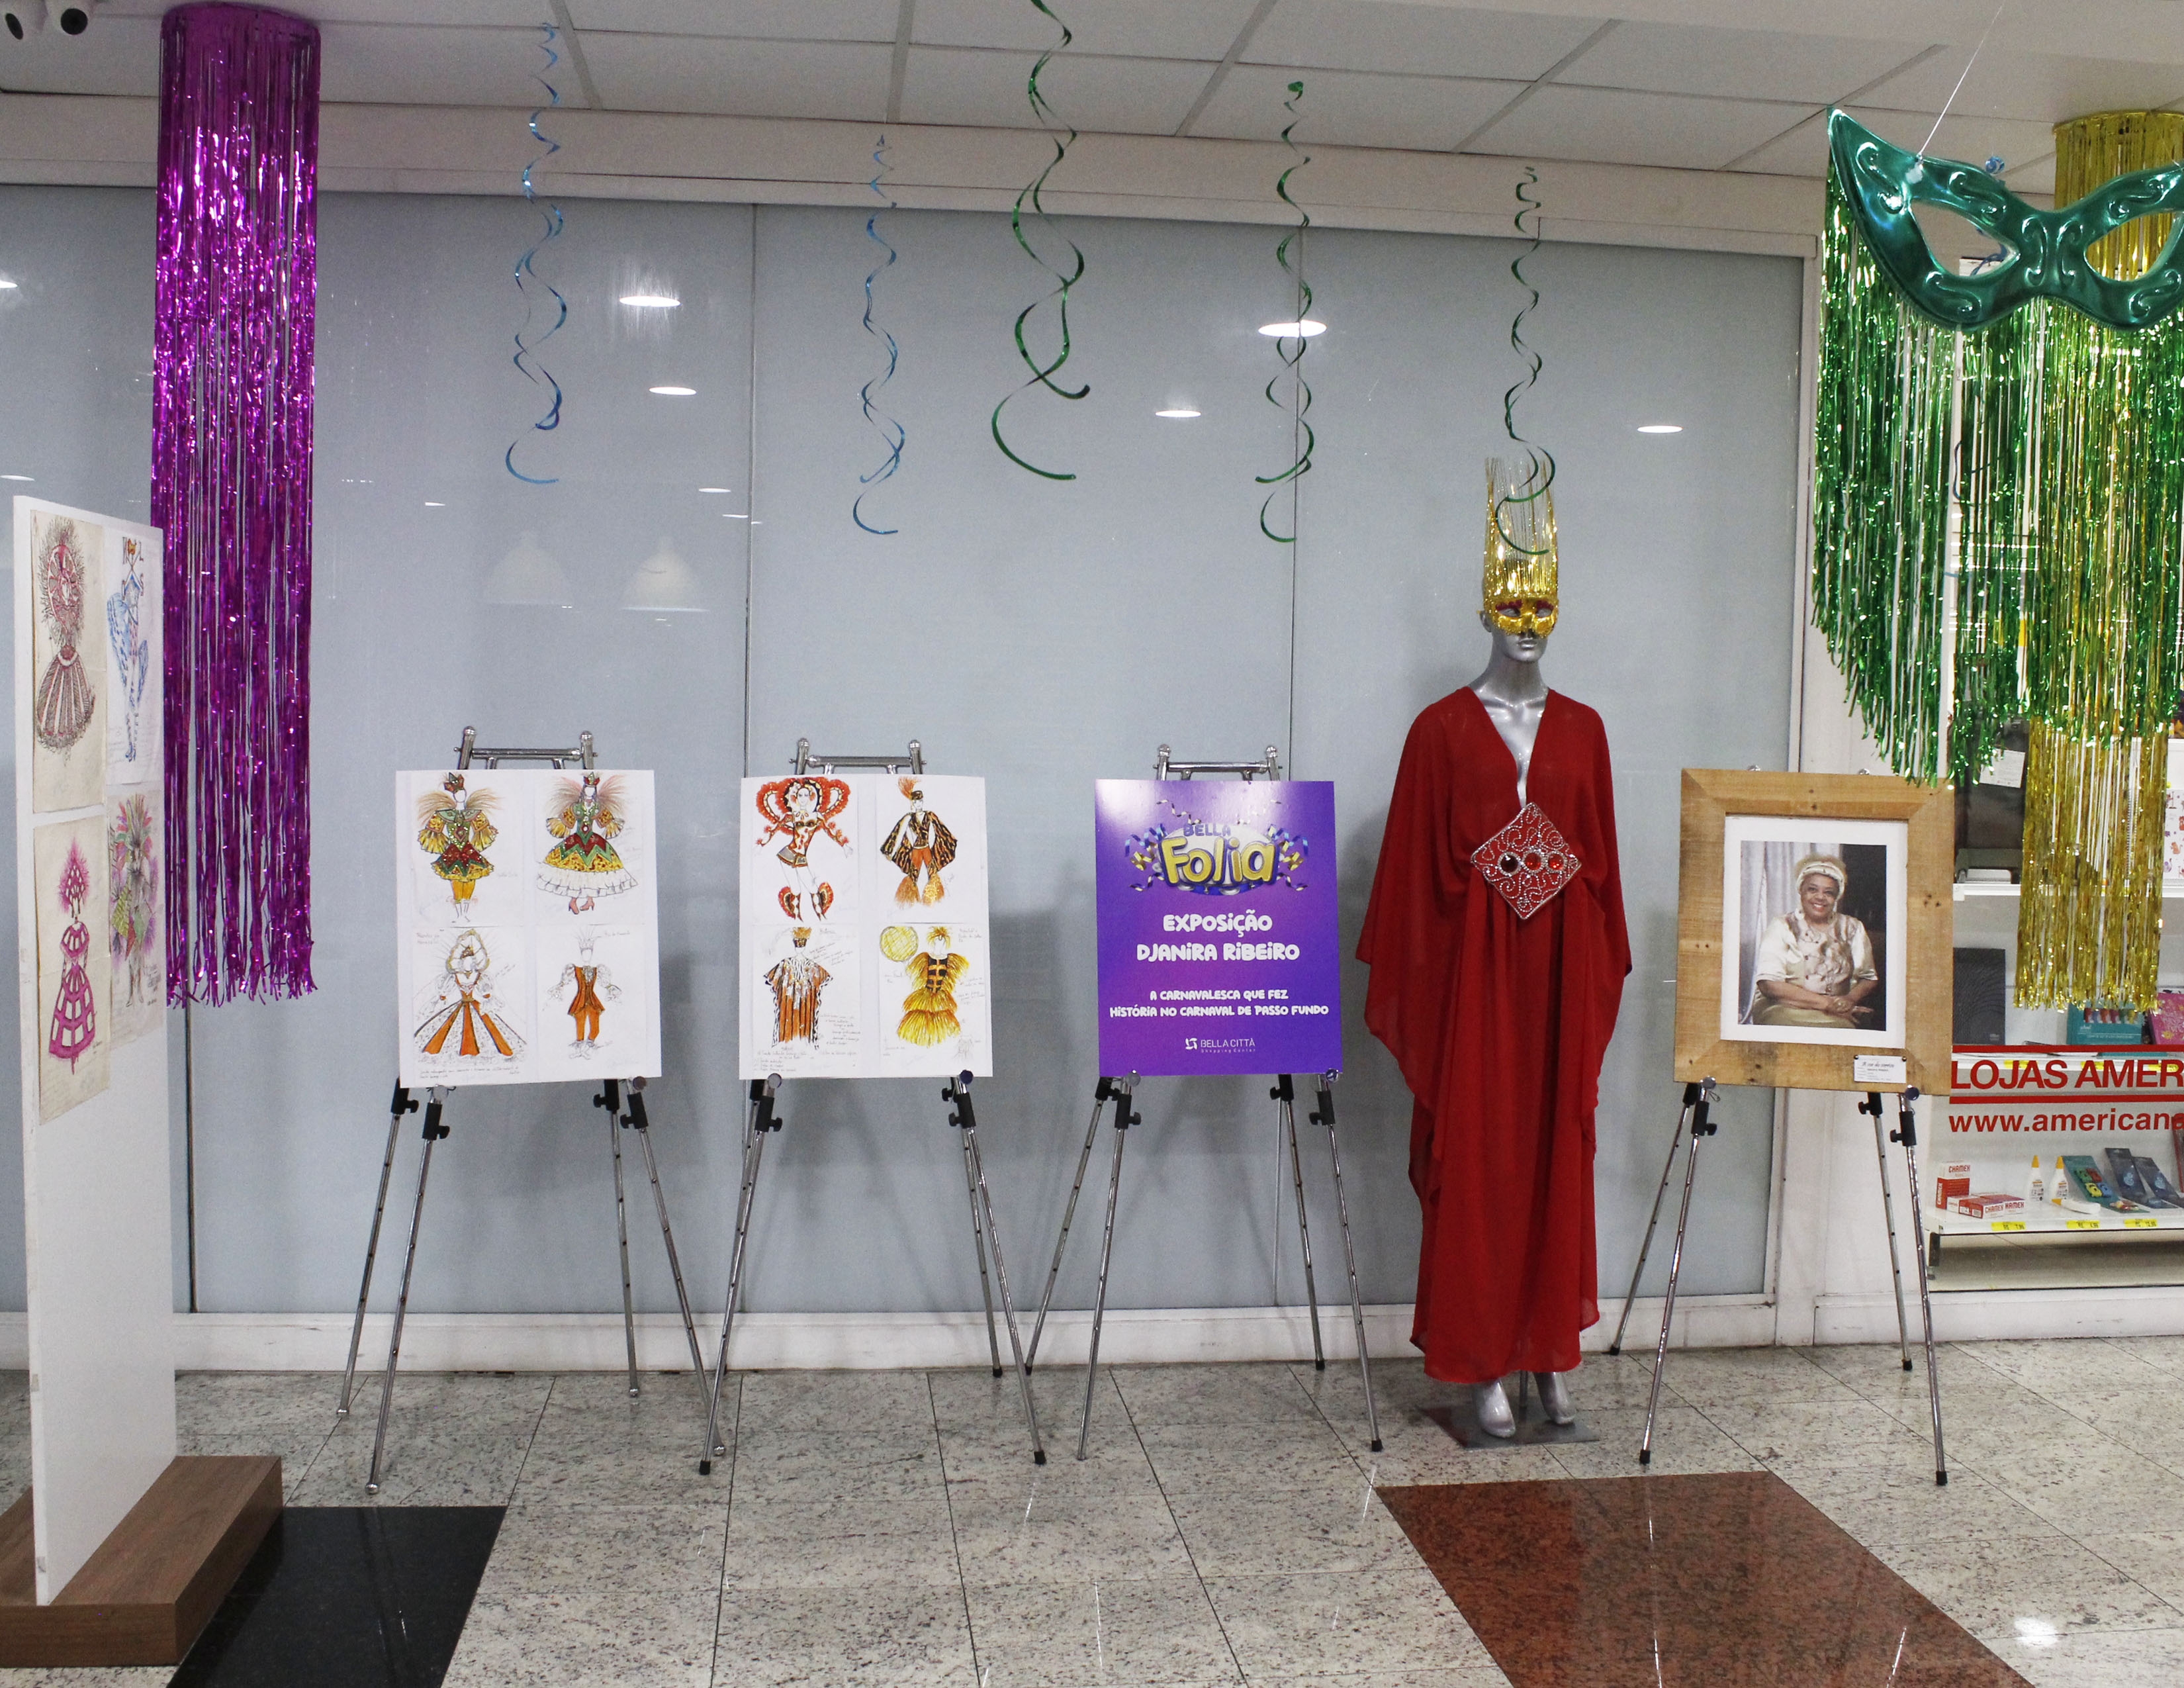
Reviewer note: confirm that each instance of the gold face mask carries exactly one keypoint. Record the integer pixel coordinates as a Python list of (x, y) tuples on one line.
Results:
[(1519, 591)]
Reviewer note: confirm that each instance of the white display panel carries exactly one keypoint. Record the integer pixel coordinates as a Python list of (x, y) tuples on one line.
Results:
[(528, 926), (865, 948), (90, 907)]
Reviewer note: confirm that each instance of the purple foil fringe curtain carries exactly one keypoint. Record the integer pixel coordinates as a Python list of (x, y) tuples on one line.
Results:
[(231, 486)]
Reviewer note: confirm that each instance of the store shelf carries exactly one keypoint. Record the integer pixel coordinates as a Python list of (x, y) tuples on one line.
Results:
[(2056, 1222), (2171, 891)]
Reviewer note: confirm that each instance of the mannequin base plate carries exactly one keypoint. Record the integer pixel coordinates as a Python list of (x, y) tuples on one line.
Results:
[(1460, 1419)]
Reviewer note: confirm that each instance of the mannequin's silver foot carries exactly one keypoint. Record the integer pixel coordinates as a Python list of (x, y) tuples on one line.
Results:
[(1554, 1397), (1491, 1401)]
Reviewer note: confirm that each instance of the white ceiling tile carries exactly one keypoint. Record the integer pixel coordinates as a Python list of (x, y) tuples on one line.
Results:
[(391, 64), (1111, 96), (1766, 65), (1137, 28), (1341, 109), (1610, 126), (482, 13), (764, 20), (1971, 140), (1426, 39), (2034, 87), (115, 55), (1803, 151), (741, 78)]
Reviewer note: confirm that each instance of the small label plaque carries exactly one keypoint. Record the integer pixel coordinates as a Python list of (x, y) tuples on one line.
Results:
[(1879, 1069)]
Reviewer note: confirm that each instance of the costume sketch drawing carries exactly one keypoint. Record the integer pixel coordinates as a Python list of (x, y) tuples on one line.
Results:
[(128, 634), (928, 1013), (589, 986), (75, 981), (920, 845), (67, 723), (136, 938), (455, 829), (464, 1021), (584, 864), (797, 981), (804, 811)]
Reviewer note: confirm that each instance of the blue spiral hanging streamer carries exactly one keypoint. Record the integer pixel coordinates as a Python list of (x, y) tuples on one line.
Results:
[(1539, 474), (1042, 375), (526, 360), (1301, 436), (890, 430)]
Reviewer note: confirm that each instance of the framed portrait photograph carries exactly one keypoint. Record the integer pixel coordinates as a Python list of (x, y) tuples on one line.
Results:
[(1811, 960), (1814, 939)]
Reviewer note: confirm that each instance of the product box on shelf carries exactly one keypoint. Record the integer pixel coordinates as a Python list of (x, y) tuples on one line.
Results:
[(1954, 1180), (1991, 1205)]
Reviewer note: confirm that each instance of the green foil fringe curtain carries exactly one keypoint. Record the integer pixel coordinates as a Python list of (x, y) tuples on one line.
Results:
[(2058, 446)]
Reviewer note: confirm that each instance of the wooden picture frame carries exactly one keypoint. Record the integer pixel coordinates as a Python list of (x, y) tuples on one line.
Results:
[(1711, 797)]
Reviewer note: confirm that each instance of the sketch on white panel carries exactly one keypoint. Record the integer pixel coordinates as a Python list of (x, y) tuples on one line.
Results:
[(549, 875), (894, 980), (132, 617), (802, 840), (137, 932), (74, 1023), (68, 735)]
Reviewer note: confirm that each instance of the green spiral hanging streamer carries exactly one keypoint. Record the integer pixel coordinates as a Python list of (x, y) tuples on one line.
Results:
[(1065, 276), (1539, 474), (1300, 401)]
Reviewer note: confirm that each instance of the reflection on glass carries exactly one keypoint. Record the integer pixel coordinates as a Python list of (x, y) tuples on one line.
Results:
[(528, 575), (663, 584)]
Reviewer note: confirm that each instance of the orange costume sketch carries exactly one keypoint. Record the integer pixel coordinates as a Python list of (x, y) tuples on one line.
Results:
[(468, 965), (928, 1013), (803, 809), (796, 980), (455, 828), (919, 843), (594, 989)]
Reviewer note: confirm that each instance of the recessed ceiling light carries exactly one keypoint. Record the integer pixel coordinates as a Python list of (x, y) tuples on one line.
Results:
[(1303, 329), (1660, 427), (14, 478), (1179, 413), (676, 391), (651, 301)]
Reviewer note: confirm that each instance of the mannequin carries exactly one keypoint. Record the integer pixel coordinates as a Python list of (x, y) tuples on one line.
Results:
[(1496, 941)]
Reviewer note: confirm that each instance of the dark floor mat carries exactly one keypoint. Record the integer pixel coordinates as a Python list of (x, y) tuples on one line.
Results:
[(348, 1597)]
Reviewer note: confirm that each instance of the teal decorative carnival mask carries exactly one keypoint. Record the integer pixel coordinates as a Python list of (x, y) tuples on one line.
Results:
[(1882, 183)]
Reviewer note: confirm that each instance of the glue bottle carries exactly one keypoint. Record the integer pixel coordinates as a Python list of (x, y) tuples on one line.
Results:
[(2035, 1185), (2058, 1187)]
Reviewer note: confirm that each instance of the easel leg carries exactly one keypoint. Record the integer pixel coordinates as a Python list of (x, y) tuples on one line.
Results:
[(404, 1103), (1645, 1248), (642, 1127), (1871, 1104), (982, 1219), (1907, 1134), (1284, 1094), (1100, 1095), (434, 1131), (1326, 1116), (979, 1243), (756, 1127), (1124, 1119), (1701, 1128), (622, 1236)]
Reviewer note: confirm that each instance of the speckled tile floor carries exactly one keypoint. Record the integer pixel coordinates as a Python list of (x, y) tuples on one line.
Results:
[(889, 1528)]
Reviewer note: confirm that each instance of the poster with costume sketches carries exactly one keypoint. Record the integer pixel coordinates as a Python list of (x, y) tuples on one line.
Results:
[(864, 948), (527, 914)]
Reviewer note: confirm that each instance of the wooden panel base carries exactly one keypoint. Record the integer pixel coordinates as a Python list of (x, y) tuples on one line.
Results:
[(153, 1583)]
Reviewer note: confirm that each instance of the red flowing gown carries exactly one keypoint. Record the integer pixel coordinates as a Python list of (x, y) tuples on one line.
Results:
[(1499, 1024)]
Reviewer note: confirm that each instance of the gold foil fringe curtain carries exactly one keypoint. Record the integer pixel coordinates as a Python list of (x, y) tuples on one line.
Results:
[(2061, 444)]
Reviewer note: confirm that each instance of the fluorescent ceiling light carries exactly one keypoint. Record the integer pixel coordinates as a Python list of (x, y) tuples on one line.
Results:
[(1303, 329), (736, 515), (15, 477), (712, 489), (6, 286), (651, 301), (1181, 412), (676, 391), (1660, 427)]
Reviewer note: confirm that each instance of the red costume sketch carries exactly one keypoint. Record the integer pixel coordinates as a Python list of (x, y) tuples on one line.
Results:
[(584, 864), (455, 828), (75, 1008), (928, 1013), (796, 980), (594, 989), (803, 809), (65, 697), (464, 992), (1499, 1018), (919, 843)]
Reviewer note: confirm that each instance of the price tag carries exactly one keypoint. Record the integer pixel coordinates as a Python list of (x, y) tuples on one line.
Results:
[(2143, 1224), (2082, 1224), (2005, 1224)]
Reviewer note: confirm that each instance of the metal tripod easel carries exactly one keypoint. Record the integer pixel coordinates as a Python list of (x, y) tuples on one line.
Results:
[(762, 1118), (625, 1112), (1698, 1100), (1121, 1092)]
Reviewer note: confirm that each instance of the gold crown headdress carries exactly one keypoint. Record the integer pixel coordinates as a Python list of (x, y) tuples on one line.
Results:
[(1520, 590)]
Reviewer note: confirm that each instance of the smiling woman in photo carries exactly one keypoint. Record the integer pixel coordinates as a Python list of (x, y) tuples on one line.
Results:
[(1815, 965)]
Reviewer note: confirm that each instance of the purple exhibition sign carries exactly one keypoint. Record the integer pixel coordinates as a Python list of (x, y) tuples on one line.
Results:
[(1219, 945)]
